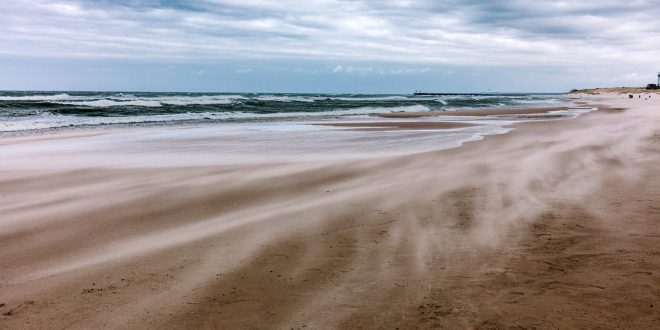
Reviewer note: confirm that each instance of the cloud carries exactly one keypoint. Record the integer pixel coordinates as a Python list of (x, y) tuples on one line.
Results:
[(601, 40), (370, 70), (450, 32), (408, 71), (100, 70), (635, 77), (354, 70)]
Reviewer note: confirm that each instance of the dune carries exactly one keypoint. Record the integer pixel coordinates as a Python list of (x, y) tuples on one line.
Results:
[(554, 225)]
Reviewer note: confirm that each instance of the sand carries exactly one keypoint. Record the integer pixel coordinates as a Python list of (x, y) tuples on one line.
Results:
[(473, 112), (615, 90), (398, 125), (554, 225)]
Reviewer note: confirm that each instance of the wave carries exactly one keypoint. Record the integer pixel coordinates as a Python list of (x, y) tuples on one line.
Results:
[(48, 120), (365, 111), (125, 99), (28, 111), (130, 100), (374, 98), (538, 102), (56, 97), (284, 98), (223, 99), (200, 100), (105, 103)]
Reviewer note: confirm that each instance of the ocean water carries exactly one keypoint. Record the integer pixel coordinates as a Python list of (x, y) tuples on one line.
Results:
[(25, 111)]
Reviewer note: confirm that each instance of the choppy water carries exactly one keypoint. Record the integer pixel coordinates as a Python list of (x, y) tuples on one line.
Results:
[(20, 111)]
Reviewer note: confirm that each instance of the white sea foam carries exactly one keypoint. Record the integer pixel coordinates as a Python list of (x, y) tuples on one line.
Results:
[(310, 98), (200, 100), (373, 98), (127, 99), (44, 119), (105, 103), (349, 112), (121, 99), (56, 97), (286, 98), (156, 101), (153, 101), (49, 120)]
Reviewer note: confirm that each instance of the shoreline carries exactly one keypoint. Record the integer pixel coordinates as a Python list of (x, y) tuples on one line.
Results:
[(278, 141), (552, 224), (476, 112), (36, 110), (397, 125), (412, 127)]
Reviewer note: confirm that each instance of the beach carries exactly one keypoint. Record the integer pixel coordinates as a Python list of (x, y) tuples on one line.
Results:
[(547, 224)]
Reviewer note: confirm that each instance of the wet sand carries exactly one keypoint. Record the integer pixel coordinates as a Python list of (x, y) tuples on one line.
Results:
[(394, 125), (554, 225), (473, 112)]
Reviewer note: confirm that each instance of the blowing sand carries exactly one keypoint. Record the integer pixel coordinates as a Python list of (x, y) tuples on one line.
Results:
[(554, 225)]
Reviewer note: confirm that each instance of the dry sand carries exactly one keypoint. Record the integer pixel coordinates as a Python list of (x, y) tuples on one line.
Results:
[(555, 225), (615, 90)]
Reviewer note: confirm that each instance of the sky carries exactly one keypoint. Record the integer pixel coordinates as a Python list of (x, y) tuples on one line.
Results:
[(334, 46)]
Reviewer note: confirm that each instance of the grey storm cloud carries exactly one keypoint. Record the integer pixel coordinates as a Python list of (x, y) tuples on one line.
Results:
[(507, 32)]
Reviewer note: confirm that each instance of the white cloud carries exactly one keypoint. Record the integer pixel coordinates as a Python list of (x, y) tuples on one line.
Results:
[(408, 71), (338, 68), (379, 71), (640, 79), (422, 33), (100, 70), (356, 70)]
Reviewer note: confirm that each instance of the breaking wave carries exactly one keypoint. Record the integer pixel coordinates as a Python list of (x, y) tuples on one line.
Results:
[(42, 110)]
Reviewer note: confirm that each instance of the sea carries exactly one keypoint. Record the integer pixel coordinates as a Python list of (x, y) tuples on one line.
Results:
[(33, 111), (133, 128)]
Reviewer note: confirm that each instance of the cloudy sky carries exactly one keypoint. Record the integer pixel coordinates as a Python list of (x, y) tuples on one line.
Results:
[(385, 46)]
